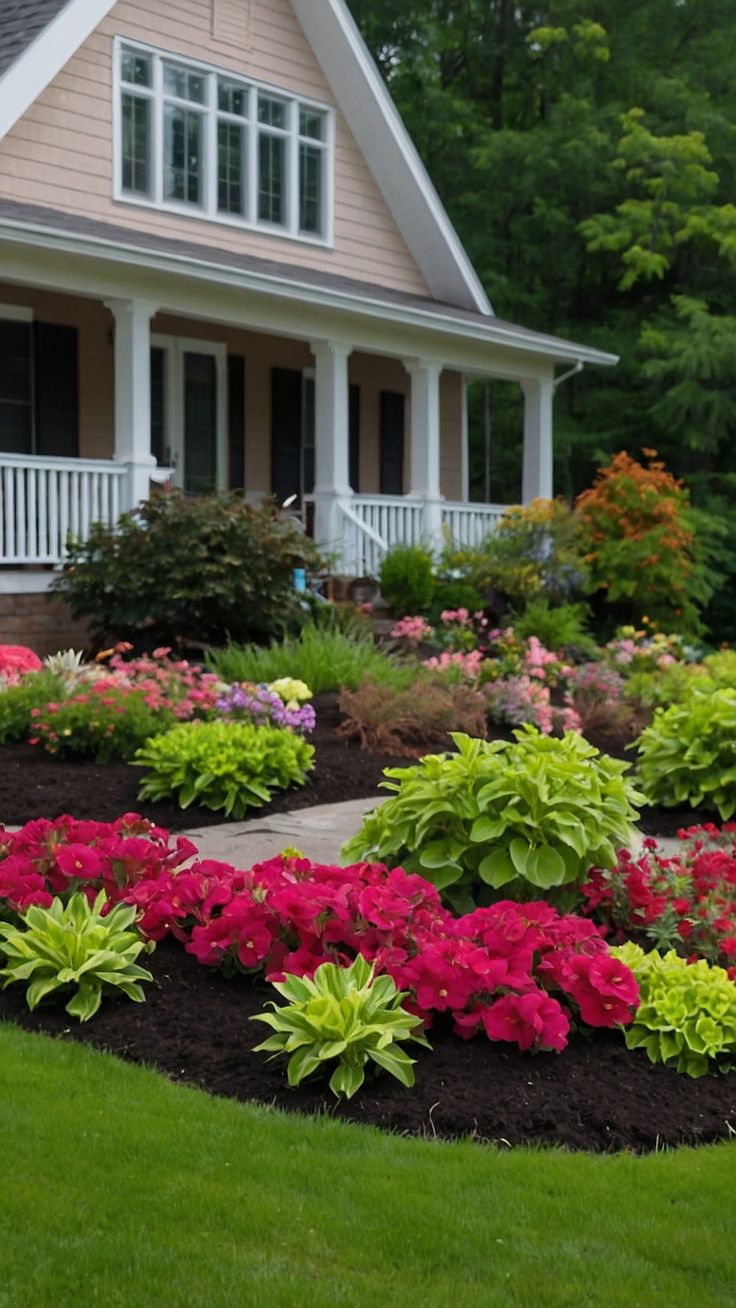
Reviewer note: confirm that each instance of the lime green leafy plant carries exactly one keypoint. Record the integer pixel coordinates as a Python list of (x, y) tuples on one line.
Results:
[(342, 1013), (74, 945), (231, 766), (687, 1011), (519, 816), (688, 754), (407, 579)]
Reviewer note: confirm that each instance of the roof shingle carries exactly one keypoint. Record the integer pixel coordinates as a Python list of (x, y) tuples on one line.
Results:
[(21, 21)]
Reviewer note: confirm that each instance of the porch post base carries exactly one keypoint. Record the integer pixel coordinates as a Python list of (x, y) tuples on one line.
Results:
[(329, 531)]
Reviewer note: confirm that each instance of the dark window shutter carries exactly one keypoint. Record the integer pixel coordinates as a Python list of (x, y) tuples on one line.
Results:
[(236, 420), (158, 406), (392, 443), (286, 432), (57, 390), (354, 429), (16, 390)]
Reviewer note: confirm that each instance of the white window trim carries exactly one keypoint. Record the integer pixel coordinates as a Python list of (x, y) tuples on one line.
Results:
[(207, 211), (175, 347)]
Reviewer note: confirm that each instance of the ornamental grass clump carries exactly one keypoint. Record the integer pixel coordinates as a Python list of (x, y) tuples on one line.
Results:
[(687, 1011), (232, 766), (533, 813), (343, 1014), (74, 945), (688, 754)]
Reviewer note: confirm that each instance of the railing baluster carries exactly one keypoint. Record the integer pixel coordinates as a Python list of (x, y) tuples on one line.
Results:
[(20, 501), (9, 502)]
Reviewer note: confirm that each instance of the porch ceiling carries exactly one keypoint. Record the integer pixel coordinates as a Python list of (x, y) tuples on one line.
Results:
[(53, 230)]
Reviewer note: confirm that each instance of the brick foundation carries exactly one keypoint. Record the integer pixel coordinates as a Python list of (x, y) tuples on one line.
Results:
[(44, 624)]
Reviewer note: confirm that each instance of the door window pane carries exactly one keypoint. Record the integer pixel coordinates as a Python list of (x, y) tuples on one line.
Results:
[(271, 172), (230, 168), (136, 144), (182, 155), (16, 388), (310, 188), (200, 423)]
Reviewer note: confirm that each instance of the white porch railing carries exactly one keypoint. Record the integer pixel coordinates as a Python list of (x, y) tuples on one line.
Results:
[(469, 524), (374, 524), (43, 500)]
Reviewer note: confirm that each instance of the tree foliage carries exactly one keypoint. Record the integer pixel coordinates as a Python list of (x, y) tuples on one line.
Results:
[(586, 152)]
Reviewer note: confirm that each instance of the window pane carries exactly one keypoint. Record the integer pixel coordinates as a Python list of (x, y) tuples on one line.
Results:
[(271, 112), (230, 172), (232, 98), (182, 155), (271, 169), (311, 123), (16, 423), (310, 188), (185, 85), (135, 68), (136, 144)]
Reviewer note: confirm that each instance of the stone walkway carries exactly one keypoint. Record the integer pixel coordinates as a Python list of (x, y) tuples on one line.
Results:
[(318, 833)]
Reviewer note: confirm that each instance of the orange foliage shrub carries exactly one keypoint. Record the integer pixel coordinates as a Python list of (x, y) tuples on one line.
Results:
[(638, 529)]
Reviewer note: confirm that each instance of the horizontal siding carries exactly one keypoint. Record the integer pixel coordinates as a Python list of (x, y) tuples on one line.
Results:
[(60, 153)]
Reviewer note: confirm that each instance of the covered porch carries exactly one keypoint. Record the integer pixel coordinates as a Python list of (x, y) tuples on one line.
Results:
[(120, 371)]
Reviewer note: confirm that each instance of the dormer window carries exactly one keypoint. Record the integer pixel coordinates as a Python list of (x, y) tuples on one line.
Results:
[(208, 143)]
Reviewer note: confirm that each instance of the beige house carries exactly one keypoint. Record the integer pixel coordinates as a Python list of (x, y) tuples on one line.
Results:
[(222, 264)]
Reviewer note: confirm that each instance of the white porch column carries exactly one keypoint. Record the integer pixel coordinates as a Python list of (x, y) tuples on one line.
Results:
[(537, 474), (425, 441), (464, 441), (133, 394), (331, 442)]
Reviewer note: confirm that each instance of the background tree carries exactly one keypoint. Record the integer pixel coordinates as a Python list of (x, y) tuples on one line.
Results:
[(586, 152)]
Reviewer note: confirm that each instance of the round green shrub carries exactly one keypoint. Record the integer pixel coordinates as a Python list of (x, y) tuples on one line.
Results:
[(688, 754), (231, 766), (516, 817), (407, 580), (178, 571)]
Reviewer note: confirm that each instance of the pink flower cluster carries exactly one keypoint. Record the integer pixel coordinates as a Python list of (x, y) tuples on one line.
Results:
[(686, 901), (470, 664), (520, 972), (166, 683), (412, 630), (15, 662)]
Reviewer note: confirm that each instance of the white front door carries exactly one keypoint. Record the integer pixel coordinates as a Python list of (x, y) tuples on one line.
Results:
[(188, 402)]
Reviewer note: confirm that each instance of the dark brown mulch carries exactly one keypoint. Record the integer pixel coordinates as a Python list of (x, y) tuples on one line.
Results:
[(596, 1095), (34, 783)]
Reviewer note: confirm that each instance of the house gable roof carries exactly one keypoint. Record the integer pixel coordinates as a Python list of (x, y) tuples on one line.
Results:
[(39, 36), (22, 22)]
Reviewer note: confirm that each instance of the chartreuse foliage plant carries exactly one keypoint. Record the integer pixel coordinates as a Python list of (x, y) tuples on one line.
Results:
[(74, 945), (688, 754), (687, 1011), (522, 816), (231, 766), (407, 579), (346, 1014)]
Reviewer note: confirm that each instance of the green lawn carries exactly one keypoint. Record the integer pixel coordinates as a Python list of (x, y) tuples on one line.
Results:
[(121, 1188)]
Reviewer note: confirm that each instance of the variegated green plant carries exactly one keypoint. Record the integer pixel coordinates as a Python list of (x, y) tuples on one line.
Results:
[(345, 1014), (73, 945), (687, 1011), (515, 816)]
